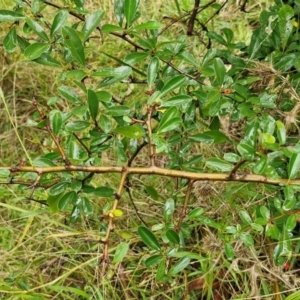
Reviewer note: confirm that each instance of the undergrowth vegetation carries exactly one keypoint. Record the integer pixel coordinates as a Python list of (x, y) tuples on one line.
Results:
[(149, 150)]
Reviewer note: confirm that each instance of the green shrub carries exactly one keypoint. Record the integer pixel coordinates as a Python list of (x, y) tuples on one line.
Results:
[(196, 146)]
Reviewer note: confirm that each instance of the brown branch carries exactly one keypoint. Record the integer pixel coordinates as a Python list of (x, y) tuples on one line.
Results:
[(111, 219), (232, 174), (137, 151), (186, 15), (153, 170), (151, 146), (56, 141), (192, 18)]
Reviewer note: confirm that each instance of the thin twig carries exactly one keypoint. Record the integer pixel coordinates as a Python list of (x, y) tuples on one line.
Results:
[(82, 144), (127, 187), (193, 17), (149, 130), (185, 205)]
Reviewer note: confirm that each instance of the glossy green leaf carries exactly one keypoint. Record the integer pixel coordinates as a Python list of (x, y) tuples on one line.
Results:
[(73, 150), (219, 165), (161, 272), (148, 238), (260, 165), (220, 71), (169, 125), (229, 251), (215, 107), (201, 138), (76, 126), (46, 60), (285, 22), (75, 214), (104, 96), (113, 75), (86, 207), (10, 16), (119, 11), (147, 25), (113, 72), (78, 75), (74, 44), (290, 223), (218, 38), (101, 191), (130, 9), (281, 132), (294, 165), (53, 201), (135, 57), (172, 84), (179, 266), (132, 132), (43, 162), (211, 223), (245, 217), (10, 40), (91, 22), (257, 227), (69, 94), (58, 188), (105, 123), (178, 100), (169, 209), (247, 239), (38, 29), (108, 28), (36, 50), (172, 236), (121, 252), (170, 120), (231, 229), (153, 260), (120, 151), (152, 192), (66, 199), (293, 296), (252, 133), (265, 213), (272, 231), (189, 58), (118, 111), (289, 198), (23, 43), (218, 136), (232, 157), (195, 213), (58, 21), (4, 173), (152, 71), (93, 103), (246, 150), (56, 121)]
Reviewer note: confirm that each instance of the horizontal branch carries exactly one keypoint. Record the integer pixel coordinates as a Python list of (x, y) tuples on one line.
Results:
[(152, 170)]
